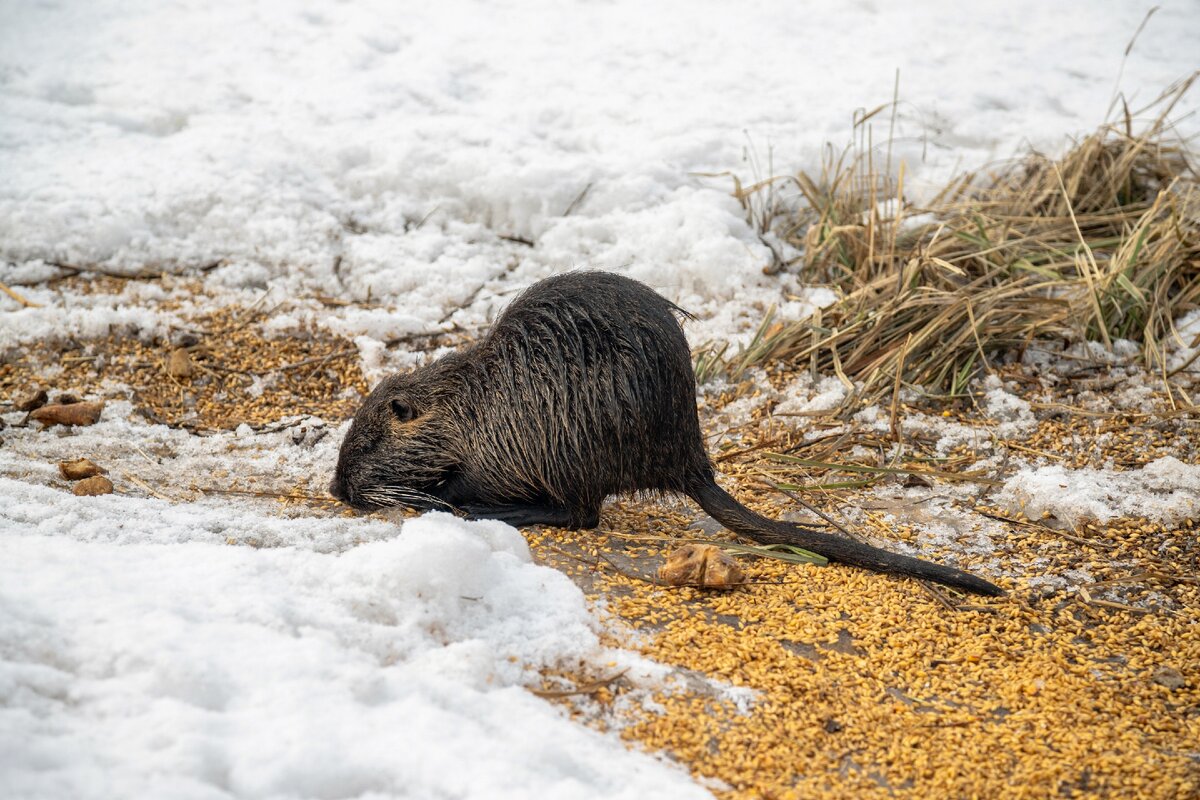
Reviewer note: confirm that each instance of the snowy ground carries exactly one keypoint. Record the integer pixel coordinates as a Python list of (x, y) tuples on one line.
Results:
[(382, 152), (382, 149), (197, 670)]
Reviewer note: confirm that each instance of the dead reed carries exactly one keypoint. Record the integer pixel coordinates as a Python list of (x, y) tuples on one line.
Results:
[(1100, 244)]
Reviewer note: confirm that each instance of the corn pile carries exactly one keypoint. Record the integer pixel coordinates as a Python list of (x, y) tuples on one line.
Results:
[(873, 686), (223, 371)]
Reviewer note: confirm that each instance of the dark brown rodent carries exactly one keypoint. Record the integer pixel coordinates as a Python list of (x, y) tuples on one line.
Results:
[(582, 389)]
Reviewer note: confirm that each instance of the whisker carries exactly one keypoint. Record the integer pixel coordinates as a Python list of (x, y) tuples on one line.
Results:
[(391, 495)]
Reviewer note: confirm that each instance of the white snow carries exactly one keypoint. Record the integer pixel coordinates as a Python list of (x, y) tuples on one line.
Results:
[(1013, 414), (947, 433), (382, 149), (391, 154), (130, 667), (802, 396), (1165, 490), (1184, 353)]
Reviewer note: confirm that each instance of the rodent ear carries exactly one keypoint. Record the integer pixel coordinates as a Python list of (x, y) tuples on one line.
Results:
[(403, 412)]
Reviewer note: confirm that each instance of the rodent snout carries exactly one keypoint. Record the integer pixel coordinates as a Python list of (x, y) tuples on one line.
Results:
[(337, 489)]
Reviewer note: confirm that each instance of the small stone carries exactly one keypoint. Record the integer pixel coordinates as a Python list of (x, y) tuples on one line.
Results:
[(81, 413), (67, 398), (707, 526), (80, 468), (31, 400), (185, 338), (701, 565), (1169, 677), (95, 485), (800, 517), (179, 364)]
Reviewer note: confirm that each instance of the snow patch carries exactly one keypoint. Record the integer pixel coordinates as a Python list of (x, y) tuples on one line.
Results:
[(803, 396), (1166, 491), (206, 671), (1014, 414)]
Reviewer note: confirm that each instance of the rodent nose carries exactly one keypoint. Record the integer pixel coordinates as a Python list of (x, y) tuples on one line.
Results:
[(337, 489)]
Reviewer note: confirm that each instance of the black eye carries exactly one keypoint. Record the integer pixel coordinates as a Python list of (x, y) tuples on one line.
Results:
[(403, 413)]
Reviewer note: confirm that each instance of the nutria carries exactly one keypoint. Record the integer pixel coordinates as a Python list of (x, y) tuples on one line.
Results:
[(582, 389)]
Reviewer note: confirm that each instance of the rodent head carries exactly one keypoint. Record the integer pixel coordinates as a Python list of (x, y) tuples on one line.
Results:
[(394, 452)]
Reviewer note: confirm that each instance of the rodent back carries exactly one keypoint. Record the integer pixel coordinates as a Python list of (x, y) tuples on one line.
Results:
[(582, 389)]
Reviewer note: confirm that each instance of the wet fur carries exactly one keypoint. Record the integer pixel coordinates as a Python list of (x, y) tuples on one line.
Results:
[(582, 389)]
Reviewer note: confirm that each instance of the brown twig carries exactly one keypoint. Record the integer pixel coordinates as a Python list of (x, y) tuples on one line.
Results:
[(587, 688), (136, 481), (258, 493), (317, 360), (20, 299), (578, 199), (1091, 601)]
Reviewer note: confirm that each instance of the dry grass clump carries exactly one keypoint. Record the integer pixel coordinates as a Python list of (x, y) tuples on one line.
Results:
[(1103, 243)]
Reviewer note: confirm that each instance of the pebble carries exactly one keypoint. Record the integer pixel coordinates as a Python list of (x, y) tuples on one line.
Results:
[(95, 485)]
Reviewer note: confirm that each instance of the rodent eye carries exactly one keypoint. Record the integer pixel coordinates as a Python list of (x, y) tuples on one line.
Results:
[(403, 413)]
